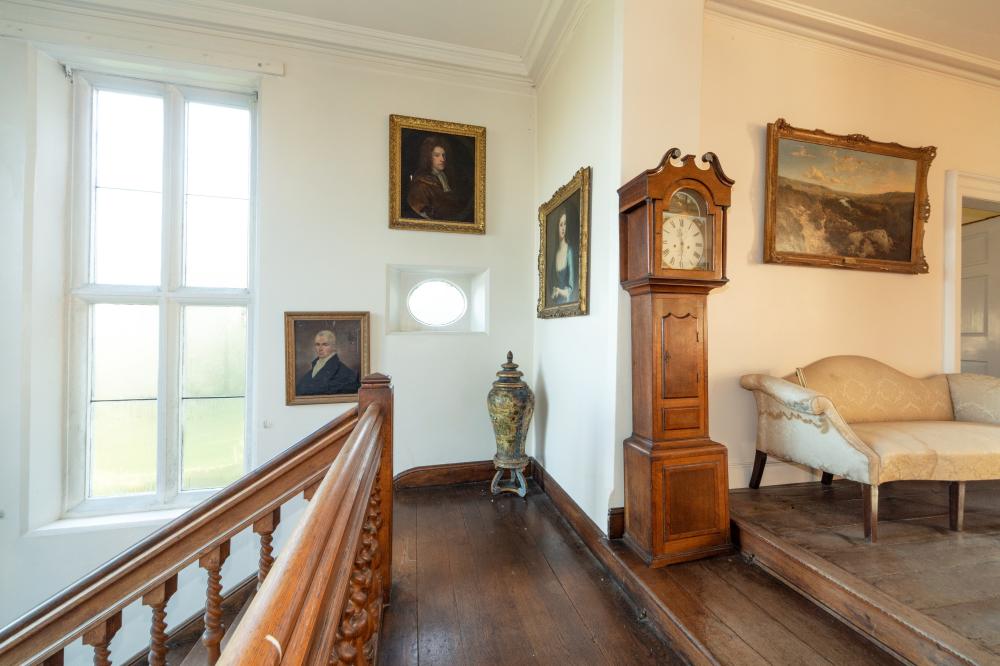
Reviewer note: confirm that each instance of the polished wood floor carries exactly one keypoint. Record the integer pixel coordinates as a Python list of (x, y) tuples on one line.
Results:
[(942, 583), (484, 580)]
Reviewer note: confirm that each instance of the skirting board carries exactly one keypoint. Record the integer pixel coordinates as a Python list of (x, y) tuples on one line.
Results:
[(448, 474), (659, 614)]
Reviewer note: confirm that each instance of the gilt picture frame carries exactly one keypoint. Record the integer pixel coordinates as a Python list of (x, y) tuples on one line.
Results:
[(845, 201), (326, 355), (564, 250), (437, 175)]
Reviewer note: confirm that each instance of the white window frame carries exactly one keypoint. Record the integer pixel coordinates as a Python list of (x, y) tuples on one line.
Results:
[(83, 294)]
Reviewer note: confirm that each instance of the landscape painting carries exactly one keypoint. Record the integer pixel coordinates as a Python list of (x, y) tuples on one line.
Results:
[(845, 201)]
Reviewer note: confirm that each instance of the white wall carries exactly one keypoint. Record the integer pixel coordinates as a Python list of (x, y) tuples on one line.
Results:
[(772, 318), (323, 244), (579, 120)]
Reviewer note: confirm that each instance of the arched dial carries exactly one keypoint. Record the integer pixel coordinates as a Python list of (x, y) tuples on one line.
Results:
[(683, 241)]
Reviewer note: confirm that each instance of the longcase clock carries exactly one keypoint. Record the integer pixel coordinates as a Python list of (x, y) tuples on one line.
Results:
[(672, 226)]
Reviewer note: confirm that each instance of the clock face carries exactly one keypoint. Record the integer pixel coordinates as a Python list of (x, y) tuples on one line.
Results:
[(686, 234), (684, 243)]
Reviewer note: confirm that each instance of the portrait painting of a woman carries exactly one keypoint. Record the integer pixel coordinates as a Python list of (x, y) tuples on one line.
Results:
[(563, 248), (438, 175)]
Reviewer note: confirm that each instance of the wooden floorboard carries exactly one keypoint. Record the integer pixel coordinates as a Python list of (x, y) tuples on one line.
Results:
[(484, 580), (928, 592)]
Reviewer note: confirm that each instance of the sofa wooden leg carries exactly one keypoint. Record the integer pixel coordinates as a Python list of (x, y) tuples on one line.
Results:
[(956, 505), (759, 460), (827, 479), (870, 497)]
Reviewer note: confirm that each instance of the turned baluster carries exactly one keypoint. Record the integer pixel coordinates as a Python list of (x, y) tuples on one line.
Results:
[(310, 490), (99, 637), (265, 528), (212, 563), (157, 599)]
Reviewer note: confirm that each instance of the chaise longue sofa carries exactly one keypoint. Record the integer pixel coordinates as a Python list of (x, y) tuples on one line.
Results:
[(858, 418)]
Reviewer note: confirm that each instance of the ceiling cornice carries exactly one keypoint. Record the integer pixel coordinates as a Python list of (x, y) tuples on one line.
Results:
[(836, 30), (554, 25), (232, 19)]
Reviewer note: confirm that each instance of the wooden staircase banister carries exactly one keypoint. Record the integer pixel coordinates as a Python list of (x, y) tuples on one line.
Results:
[(295, 616), (97, 597)]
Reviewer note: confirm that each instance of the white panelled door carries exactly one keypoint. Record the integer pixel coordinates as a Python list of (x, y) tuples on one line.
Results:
[(981, 297)]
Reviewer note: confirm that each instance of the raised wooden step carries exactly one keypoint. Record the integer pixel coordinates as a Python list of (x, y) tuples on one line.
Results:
[(928, 594)]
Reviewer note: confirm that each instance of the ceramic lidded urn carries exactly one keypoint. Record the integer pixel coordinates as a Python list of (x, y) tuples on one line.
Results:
[(511, 404)]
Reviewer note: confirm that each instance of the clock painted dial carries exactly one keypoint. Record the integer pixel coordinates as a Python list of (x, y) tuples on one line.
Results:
[(686, 235), (683, 242)]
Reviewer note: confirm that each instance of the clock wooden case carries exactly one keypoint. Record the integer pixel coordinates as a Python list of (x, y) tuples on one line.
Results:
[(672, 229)]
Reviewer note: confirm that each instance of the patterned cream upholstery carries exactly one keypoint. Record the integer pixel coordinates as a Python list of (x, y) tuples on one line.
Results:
[(933, 450), (975, 397), (861, 419), (866, 390)]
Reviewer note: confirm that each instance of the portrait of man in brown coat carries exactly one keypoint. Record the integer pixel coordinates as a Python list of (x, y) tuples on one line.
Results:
[(439, 187)]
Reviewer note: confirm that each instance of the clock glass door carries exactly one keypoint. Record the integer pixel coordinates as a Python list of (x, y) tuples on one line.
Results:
[(686, 238)]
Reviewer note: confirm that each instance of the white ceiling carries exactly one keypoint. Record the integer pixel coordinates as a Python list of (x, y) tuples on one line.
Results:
[(972, 26), (495, 25)]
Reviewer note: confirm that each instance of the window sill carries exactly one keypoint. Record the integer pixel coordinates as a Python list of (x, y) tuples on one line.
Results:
[(107, 522)]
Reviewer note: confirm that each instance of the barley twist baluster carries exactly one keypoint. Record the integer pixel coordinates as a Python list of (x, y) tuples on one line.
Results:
[(157, 599), (99, 637), (212, 563), (265, 528)]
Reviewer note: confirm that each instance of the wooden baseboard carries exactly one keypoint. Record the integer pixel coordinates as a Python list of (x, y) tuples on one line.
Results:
[(621, 565), (447, 474), (616, 522)]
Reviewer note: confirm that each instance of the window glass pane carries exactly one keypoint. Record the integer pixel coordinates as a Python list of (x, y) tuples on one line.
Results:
[(215, 341), (218, 150), (127, 237), (122, 448), (213, 430), (125, 352), (215, 242), (128, 132), (436, 303)]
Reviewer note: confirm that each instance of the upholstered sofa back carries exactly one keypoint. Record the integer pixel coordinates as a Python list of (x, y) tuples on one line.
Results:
[(865, 390)]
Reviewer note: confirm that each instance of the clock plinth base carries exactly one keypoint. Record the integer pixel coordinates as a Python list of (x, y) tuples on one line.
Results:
[(676, 500)]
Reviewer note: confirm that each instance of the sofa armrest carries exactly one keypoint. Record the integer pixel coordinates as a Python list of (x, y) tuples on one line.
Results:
[(789, 395), (800, 425), (975, 397)]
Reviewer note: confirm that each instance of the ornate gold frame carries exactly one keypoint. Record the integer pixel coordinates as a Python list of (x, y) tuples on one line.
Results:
[(365, 350), (780, 129), (396, 219), (580, 181)]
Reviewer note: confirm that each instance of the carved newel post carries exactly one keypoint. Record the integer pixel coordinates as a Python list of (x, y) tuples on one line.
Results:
[(511, 404)]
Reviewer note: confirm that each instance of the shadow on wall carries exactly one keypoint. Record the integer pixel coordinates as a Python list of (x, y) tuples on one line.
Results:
[(541, 414)]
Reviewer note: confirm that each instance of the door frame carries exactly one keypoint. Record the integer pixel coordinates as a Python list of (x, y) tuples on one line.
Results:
[(958, 185)]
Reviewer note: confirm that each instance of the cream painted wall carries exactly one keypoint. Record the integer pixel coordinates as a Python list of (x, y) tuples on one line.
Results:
[(579, 124), (772, 318), (323, 243)]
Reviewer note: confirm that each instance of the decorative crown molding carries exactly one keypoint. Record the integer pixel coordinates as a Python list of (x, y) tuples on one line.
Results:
[(220, 17), (836, 30)]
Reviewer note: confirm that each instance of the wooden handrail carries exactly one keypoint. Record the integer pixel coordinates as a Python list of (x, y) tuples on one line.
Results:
[(93, 602), (296, 614)]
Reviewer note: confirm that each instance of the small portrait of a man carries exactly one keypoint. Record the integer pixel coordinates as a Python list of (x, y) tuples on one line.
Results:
[(326, 354), (438, 175)]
